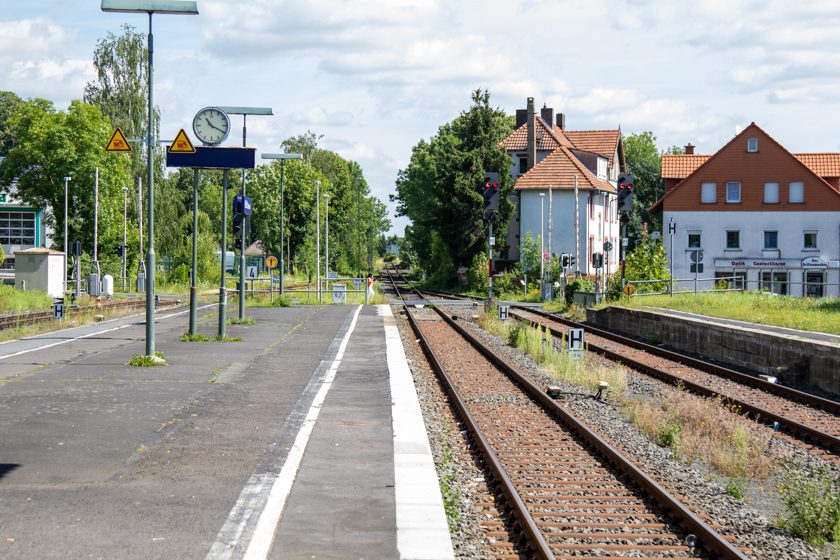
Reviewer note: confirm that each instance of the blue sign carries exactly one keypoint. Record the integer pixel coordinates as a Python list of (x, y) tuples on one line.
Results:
[(242, 208), (206, 157)]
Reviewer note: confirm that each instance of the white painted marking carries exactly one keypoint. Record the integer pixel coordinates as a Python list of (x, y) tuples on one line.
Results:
[(281, 484), (422, 531), (60, 342)]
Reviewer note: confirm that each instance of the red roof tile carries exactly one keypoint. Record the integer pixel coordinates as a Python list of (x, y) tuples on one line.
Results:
[(558, 170), (680, 166), (546, 138), (602, 142)]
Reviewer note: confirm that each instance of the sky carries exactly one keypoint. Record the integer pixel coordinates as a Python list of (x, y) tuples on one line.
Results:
[(374, 77)]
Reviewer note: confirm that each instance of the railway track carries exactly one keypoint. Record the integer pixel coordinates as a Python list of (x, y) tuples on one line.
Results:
[(36, 317), (807, 418), (573, 495)]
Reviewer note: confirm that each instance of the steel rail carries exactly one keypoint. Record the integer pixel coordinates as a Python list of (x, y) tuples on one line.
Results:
[(743, 378), (526, 522), (785, 423), (707, 537), (35, 317)]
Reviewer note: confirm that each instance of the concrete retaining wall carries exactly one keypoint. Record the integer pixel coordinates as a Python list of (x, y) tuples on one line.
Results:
[(796, 362)]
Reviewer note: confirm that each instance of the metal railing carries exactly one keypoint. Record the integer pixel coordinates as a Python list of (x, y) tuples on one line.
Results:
[(734, 283)]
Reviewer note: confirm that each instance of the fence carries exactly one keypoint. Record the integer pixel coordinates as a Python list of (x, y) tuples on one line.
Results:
[(734, 283)]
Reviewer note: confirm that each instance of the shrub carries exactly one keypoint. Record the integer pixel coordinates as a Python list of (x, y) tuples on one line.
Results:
[(812, 503), (578, 285), (478, 273)]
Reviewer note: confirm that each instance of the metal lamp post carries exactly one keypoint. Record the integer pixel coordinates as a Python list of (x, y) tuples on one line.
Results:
[(125, 234), (327, 244), (244, 111), (66, 181), (150, 7), (318, 237), (542, 244), (282, 158)]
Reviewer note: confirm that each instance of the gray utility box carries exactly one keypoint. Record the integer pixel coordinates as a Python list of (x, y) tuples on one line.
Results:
[(40, 269)]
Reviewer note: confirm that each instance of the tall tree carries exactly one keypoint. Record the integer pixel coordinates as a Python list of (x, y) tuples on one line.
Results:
[(8, 103), (304, 144), (439, 190)]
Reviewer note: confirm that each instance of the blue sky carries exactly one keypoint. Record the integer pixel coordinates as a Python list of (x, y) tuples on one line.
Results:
[(376, 76)]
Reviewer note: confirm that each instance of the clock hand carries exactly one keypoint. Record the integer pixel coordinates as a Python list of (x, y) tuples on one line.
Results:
[(212, 125)]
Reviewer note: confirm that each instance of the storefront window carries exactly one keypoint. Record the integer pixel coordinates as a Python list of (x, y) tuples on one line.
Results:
[(774, 282)]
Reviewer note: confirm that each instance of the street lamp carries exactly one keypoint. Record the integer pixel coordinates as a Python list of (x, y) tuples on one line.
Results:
[(244, 111), (282, 158), (183, 7), (125, 233), (327, 248), (66, 180), (318, 237)]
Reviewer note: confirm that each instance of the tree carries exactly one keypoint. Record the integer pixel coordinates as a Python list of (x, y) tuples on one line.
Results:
[(304, 144), (648, 261), (440, 189), (8, 103), (49, 145)]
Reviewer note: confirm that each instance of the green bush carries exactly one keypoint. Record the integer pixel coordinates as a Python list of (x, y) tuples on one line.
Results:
[(478, 273), (505, 283), (513, 335), (578, 285), (669, 436), (812, 503)]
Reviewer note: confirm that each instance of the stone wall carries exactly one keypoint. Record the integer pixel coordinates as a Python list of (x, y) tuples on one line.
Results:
[(794, 361)]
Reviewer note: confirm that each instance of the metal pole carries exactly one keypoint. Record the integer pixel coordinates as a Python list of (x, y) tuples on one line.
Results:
[(222, 287), (672, 228), (318, 237), (327, 244), (282, 168), (150, 254), (542, 244), (125, 235), (193, 291), (242, 237), (359, 227), (490, 260), (66, 249), (96, 220)]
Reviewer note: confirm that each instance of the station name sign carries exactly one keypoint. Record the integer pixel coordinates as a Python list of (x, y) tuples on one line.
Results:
[(807, 263)]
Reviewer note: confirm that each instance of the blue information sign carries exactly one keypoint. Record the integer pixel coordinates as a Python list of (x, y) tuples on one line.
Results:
[(206, 157), (241, 207)]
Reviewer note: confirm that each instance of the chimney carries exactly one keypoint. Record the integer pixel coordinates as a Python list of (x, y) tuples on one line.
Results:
[(521, 117), (689, 149), (532, 134), (561, 121), (547, 114)]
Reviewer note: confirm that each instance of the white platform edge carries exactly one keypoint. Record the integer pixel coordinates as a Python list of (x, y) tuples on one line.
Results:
[(422, 531)]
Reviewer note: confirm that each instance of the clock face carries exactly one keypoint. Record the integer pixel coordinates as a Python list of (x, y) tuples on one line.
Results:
[(211, 125)]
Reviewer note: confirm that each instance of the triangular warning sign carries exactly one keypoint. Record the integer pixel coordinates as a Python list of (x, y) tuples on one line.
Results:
[(182, 144), (118, 143)]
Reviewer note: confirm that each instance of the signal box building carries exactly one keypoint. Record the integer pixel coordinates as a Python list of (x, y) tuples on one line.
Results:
[(755, 216), (565, 188)]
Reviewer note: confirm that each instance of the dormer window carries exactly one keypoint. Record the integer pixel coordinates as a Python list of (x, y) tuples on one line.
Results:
[(752, 144), (602, 168)]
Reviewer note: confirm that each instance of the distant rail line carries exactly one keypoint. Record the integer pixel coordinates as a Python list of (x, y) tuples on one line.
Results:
[(37, 317)]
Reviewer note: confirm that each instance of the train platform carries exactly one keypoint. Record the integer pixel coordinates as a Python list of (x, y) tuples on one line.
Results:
[(302, 437)]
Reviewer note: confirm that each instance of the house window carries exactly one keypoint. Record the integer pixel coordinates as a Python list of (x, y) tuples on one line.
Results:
[(771, 239), (708, 193), (809, 240), (796, 192), (591, 207), (17, 228), (736, 280), (523, 165), (752, 144), (733, 239), (602, 168), (771, 193), (694, 239), (733, 192), (774, 282)]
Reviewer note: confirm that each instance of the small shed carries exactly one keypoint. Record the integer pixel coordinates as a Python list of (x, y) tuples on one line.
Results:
[(41, 269)]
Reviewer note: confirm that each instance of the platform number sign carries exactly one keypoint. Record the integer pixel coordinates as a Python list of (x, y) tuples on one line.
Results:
[(58, 308), (503, 312), (576, 343), (339, 293), (252, 273)]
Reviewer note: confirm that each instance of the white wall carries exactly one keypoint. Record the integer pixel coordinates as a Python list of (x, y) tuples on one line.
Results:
[(790, 225)]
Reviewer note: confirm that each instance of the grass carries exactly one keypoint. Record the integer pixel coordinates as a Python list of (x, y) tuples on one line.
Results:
[(198, 337), (448, 482), (811, 500), (138, 360), (238, 321), (15, 301), (812, 314)]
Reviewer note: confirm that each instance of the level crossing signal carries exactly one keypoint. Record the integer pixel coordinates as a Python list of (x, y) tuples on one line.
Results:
[(625, 193), (567, 261), (490, 188)]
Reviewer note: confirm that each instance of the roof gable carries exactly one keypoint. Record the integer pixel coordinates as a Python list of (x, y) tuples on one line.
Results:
[(558, 170), (771, 163), (603, 142), (680, 166), (546, 138)]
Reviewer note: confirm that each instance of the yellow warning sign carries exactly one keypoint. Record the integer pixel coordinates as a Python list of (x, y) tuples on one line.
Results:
[(182, 144), (271, 261), (118, 143)]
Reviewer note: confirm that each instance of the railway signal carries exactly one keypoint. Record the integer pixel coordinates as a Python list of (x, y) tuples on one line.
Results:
[(490, 190), (625, 193)]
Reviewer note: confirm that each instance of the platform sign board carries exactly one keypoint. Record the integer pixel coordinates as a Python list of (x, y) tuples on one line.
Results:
[(339, 293), (252, 273), (357, 283), (575, 342), (58, 308), (206, 157), (503, 312), (332, 275), (242, 205)]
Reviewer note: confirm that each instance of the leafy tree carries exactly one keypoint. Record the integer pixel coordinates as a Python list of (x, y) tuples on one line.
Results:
[(49, 145), (304, 144), (648, 261), (439, 190), (8, 102), (529, 260)]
